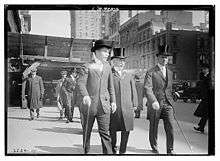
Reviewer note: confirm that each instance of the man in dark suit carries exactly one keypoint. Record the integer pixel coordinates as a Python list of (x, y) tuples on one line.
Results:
[(158, 90), (95, 84), (203, 108), (126, 101), (34, 90)]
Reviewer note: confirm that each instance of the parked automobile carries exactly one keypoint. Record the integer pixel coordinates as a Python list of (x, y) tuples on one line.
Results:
[(186, 91)]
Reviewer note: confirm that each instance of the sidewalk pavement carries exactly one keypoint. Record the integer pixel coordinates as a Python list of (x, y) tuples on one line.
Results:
[(48, 135)]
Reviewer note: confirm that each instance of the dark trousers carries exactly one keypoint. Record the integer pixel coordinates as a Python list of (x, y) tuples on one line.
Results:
[(124, 141), (68, 103), (166, 113), (32, 112), (69, 112), (103, 120), (202, 122)]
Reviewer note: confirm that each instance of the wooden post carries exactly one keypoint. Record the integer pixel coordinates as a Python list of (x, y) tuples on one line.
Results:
[(71, 50), (23, 99), (45, 48)]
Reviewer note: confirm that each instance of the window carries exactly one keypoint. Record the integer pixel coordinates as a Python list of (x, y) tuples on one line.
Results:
[(153, 44), (144, 35), (174, 76), (174, 58), (174, 41)]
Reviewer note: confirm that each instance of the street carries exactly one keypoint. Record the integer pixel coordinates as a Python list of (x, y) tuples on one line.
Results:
[(48, 135)]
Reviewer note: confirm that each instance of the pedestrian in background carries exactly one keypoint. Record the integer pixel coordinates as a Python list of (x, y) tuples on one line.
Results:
[(139, 86), (158, 90), (73, 82), (126, 102), (203, 108), (34, 90), (60, 97), (95, 85)]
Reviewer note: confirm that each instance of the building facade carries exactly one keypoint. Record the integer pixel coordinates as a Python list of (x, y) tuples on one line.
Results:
[(141, 35), (85, 24), (190, 50), (25, 18)]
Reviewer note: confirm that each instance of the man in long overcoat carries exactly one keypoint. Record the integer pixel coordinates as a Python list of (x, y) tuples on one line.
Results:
[(126, 101), (203, 108), (95, 84), (34, 90), (58, 93), (158, 90)]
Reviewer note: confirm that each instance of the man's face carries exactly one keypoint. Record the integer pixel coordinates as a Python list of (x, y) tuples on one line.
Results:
[(63, 75), (118, 63), (163, 60), (73, 74), (102, 54), (33, 72)]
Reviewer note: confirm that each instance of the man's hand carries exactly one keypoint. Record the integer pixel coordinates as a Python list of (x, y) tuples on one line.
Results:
[(113, 107), (87, 100), (155, 105), (135, 108)]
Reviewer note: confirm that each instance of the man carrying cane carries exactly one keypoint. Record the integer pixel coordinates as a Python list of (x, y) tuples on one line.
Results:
[(158, 90), (95, 84)]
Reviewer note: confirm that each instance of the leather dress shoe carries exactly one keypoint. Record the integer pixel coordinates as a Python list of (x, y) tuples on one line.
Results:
[(199, 129), (171, 152), (114, 150), (32, 118), (155, 151)]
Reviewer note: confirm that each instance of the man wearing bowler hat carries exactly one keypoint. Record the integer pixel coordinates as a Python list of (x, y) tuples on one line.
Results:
[(158, 90), (126, 101), (34, 90), (95, 84)]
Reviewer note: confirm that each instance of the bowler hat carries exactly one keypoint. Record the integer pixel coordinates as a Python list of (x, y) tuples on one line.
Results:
[(100, 44), (117, 54), (163, 50)]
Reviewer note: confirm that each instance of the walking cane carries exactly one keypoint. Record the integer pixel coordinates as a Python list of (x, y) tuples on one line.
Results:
[(187, 141)]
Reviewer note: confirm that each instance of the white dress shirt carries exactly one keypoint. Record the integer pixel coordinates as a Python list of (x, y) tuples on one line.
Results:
[(163, 69)]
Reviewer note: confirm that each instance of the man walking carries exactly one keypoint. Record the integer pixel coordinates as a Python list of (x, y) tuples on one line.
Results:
[(203, 108), (126, 102), (158, 90), (95, 85), (59, 96), (139, 87), (34, 89)]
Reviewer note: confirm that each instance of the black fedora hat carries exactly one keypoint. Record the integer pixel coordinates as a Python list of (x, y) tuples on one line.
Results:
[(163, 50), (117, 54), (100, 44)]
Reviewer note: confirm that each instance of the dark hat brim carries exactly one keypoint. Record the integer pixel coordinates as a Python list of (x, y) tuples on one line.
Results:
[(164, 54), (94, 48), (118, 57)]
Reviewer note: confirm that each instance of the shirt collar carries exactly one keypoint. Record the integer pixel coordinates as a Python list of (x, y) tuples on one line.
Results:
[(161, 67)]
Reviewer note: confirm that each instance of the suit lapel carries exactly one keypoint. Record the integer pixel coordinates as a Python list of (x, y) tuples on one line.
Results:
[(168, 76), (160, 73)]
